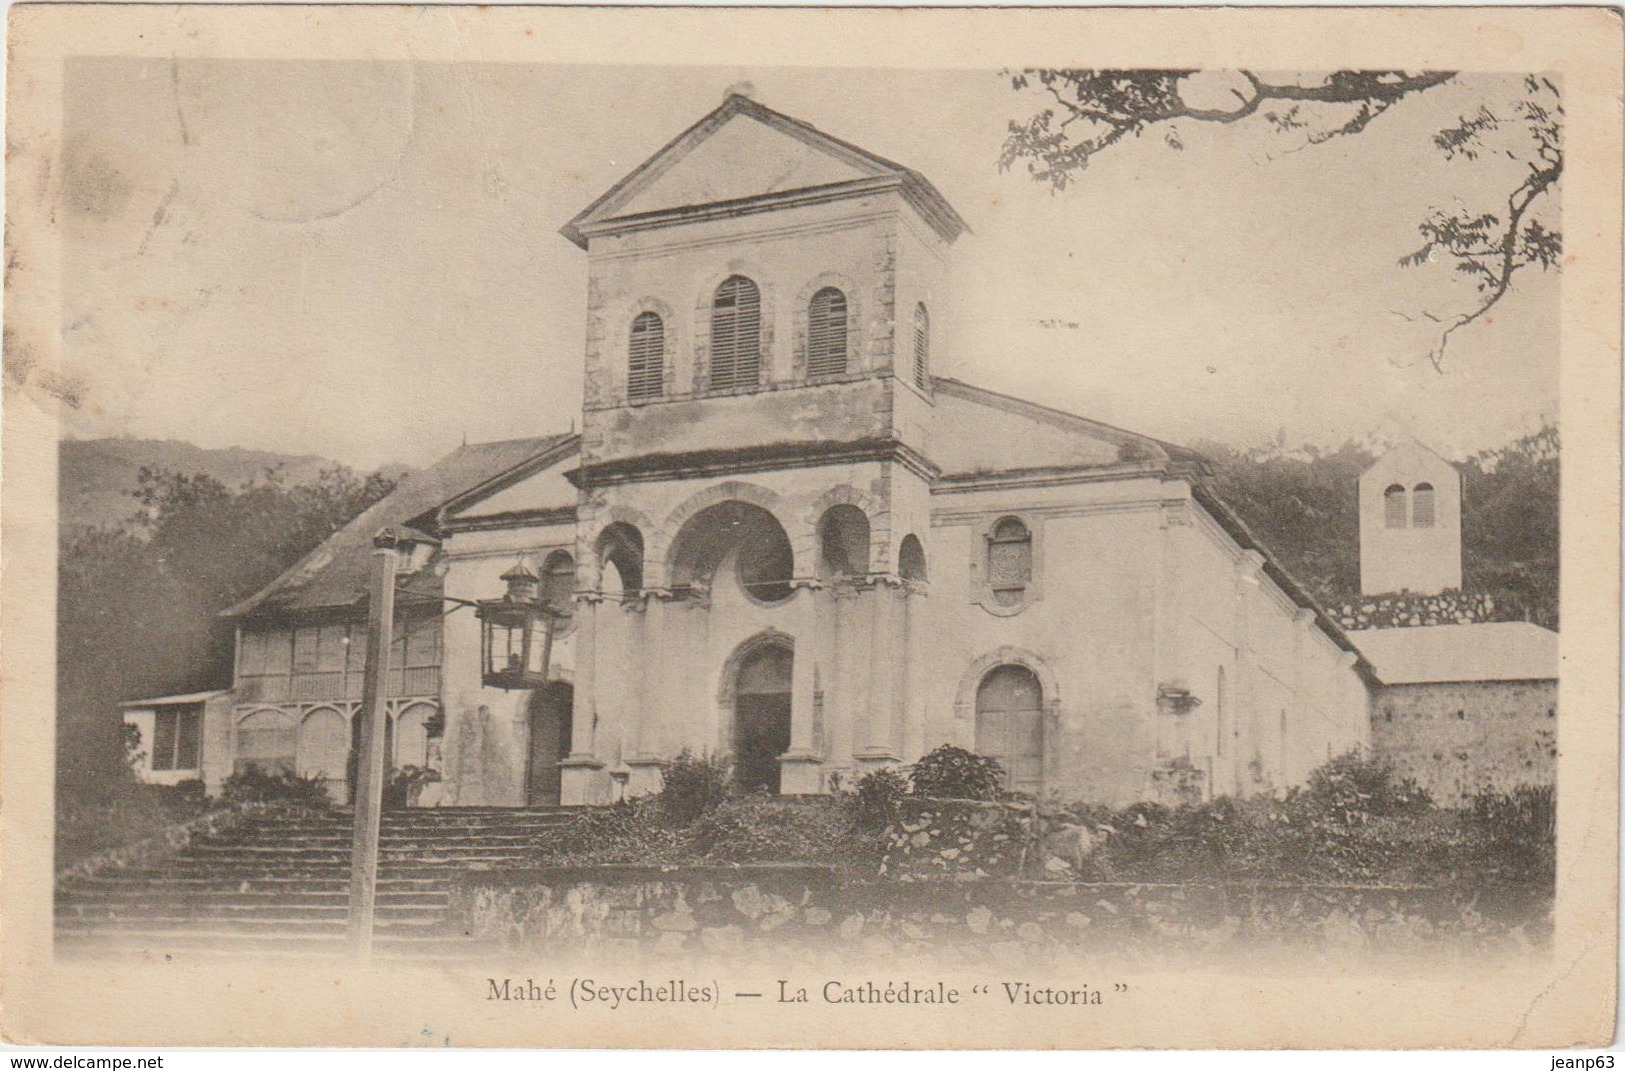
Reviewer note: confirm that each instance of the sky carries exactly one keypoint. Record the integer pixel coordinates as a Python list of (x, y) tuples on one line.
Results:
[(362, 260)]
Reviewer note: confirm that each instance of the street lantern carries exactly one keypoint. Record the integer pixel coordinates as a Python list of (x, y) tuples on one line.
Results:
[(517, 633)]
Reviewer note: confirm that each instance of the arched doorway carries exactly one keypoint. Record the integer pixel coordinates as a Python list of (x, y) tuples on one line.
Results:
[(1010, 725), (549, 742), (762, 716)]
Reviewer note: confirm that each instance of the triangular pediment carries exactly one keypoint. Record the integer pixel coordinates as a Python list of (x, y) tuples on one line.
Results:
[(746, 153), (740, 159)]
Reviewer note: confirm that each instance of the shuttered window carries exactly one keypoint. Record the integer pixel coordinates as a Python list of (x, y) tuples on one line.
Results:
[(176, 737), (922, 347), (736, 334), (1009, 561), (177, 733), (1393, 506), (826, 333), (646, 359), (1422, 506)]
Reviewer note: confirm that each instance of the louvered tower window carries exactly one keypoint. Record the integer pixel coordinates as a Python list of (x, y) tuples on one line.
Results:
[(736, 334), (646, 358), (1393, 506), (1422, 506), (922, 347), (826, 333)]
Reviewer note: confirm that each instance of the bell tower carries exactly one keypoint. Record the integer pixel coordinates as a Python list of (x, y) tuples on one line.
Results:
[(763, 315), (758, 285), (1410, 523)]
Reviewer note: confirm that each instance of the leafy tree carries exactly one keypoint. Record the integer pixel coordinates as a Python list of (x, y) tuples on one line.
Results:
[(1510, 536), (1305, 507), (1080, 113), (138, 606)]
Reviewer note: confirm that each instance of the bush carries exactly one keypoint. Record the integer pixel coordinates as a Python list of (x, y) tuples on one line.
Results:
[(632, 831), (952, 773), (1355, 785), (398, 792), (761, 829), (1517, 836), (134, 812), (691, 785), (877, 795), (253, 785)]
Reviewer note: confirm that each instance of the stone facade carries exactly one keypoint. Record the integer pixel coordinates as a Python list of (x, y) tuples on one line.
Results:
[(1459, 738)]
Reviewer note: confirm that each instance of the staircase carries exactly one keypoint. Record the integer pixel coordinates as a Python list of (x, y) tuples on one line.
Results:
[(279, 886)]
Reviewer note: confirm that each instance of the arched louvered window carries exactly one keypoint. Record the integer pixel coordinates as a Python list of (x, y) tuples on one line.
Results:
[(922, 347), (736, 334), (1393, 506), (1009, 561), (1422, 506), (646, 358), (826, 333)]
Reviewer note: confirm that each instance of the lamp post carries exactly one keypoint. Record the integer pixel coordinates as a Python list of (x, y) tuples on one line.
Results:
[(517, 645)]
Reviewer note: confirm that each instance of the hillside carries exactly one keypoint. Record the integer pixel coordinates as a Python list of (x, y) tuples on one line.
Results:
[(98, 475)]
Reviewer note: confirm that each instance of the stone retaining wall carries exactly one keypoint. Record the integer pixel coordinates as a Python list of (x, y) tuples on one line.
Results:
[(167, 842), (1405, 610), (805, 915)]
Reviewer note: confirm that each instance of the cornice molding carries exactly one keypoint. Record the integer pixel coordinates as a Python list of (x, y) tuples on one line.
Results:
[(727, 462)]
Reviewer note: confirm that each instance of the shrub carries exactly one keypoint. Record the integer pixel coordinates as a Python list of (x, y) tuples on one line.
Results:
[(877, 796), (761, 829), (1359, 787), (133, 813), (631, 831), (187, 795), (398, 792), (1516, 836), (253, 785), (693, 784), (953, 773)]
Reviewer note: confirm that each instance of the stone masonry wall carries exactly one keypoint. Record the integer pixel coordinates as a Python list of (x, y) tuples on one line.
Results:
[(805, 916), (1457, 739), (1407, 610)]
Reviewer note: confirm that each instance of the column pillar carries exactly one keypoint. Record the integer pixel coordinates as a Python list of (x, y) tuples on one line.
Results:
[(580, 774), (877, 736), (801, 768), (647, 753)]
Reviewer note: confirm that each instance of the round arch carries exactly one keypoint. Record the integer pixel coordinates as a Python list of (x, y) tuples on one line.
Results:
[(753, 723), (853, 294), (322, 748), (749, 535), (660, 542), (700, 334), (971, 681), (844, 542)]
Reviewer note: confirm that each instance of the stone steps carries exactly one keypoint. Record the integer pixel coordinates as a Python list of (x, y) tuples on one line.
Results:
[(279, 887)]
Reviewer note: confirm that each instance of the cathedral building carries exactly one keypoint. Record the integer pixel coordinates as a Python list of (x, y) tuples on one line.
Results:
[(783, 535)]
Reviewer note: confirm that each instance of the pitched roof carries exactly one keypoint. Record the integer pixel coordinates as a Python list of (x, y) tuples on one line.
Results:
[(1062, 421), (879, 172), (335, 573), (173, 700), (1433, 654)]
